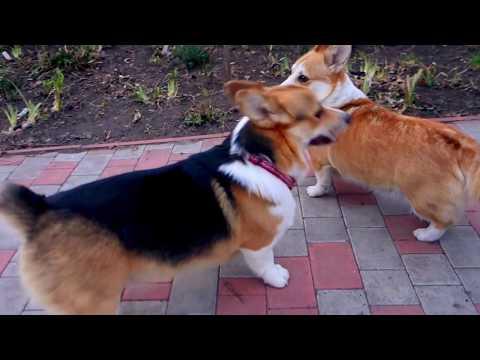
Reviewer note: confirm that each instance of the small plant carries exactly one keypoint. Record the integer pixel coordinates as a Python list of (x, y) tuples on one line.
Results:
[(33, 111), (16, 52), (141, 95), (409, 59), (203, 114), (192, 56), (156, 93), (282, 67), (55, 85), (475, 61), (172, 84), (12, 116), (73, 57), (369, 68), (430, 74), (411, 87)]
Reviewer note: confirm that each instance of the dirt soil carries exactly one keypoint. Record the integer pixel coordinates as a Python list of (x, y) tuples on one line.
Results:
[(100, 106)]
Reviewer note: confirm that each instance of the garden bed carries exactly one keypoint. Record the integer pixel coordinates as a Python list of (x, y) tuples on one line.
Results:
[(125, 93)]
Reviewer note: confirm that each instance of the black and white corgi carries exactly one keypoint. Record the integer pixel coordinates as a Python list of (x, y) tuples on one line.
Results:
[(80, 247)]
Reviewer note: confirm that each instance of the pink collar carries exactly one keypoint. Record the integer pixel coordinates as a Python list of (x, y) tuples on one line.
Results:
[(272, 169)]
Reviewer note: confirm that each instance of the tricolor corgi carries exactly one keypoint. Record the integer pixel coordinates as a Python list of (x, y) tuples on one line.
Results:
[(80, 247), (434, 165)]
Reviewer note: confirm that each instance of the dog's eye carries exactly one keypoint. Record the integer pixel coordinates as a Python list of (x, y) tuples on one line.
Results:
[(302, 78), (319, 113)]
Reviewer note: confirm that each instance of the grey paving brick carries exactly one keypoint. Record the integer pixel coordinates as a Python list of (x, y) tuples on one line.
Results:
[(430, 269), (362, 216), (9, 238), (33, 305), (166, 146), (469, 126), (392, 204), (298, 219), (308, 181), (471, 281), (11, 270), (388, 287), (71, 157), (374, 249), (462, 246), (128, 153), (143, 308), (30, 168), (45, 189), (342, 302), (12, 296), (7, 169), (325, 230), (35, 312), (74, 181), (445, 300), (187, 147), (463, 221), (15, 257), (292, 244), (325, 206), (92, 164), (236, 267), (4, 176), (194, 293)]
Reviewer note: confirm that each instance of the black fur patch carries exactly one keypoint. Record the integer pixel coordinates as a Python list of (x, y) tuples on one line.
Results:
[(169, 213), (254, 143)]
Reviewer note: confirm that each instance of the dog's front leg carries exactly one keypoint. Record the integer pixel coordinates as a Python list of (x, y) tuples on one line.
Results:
[(262, 264)]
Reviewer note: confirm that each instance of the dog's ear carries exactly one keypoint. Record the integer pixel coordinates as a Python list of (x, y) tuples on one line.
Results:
[(254, 103), (232, 87), (336, 56)]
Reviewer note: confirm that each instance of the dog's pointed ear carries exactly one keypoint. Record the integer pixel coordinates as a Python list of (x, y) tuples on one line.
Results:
[(232, 87), (254, 103), (336, 56)]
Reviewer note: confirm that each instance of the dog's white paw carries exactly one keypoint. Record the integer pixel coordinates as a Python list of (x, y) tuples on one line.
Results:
[(276, 276), (317, 190), (428, 234)]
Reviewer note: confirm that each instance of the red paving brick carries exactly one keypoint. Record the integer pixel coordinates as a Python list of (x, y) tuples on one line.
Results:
[(334, 267), (477, 306), (5, 257), (209, 143), (357, 199), (122, 162), (24, 182), (146, 291), (12, 160), (397, 310), (241, 305), (177, 157), (304, 311), (153, 159), (116, 170), (55, 165), (474, 218), (401, 230), (52, 177), (239, 286), (474, 207), (343, 187), (300, 292)]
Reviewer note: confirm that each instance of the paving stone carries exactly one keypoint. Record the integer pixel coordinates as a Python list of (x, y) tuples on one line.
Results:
[(241, 305), (236, 267), (4, 176), (11, 270), (334, 267), (146, 291), (92, 164), (462, 246), (5, 257), (298, 219), (325, 206), (12, 296), (362, 215), (297, 312), (325, 230), (33, 305), (241, 286), (30, 168), (210, 143), (9, 238), (343, 186), (194, 293), (77, 157), (7, 169), (293, 243), (12, 160), (430, 269), (35, 312), (187, 147), (471, 281), (134, 152), (342, 302), (45, 189), (393, 204), (307, 181), (142, 308), (165, 146), (445, 300), (74, 181), (388, 287), (397, 310), (374, 249), (469, 126)]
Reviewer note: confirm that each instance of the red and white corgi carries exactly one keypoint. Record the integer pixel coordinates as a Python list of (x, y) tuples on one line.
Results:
[(80, 247), (434, 165)]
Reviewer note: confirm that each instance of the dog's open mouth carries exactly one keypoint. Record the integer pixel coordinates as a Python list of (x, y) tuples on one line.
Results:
[(321, 140)]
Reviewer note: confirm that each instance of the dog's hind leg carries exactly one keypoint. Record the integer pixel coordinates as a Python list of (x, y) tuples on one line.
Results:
[(323, 171)]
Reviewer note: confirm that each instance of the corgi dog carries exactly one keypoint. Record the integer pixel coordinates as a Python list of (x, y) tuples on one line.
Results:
[(80, 247), (434, 165)]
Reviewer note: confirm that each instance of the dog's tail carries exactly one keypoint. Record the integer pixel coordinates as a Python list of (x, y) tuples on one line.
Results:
[(21, 206)]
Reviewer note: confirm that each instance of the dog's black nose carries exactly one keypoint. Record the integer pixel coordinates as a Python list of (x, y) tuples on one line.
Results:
[(347, 118)]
